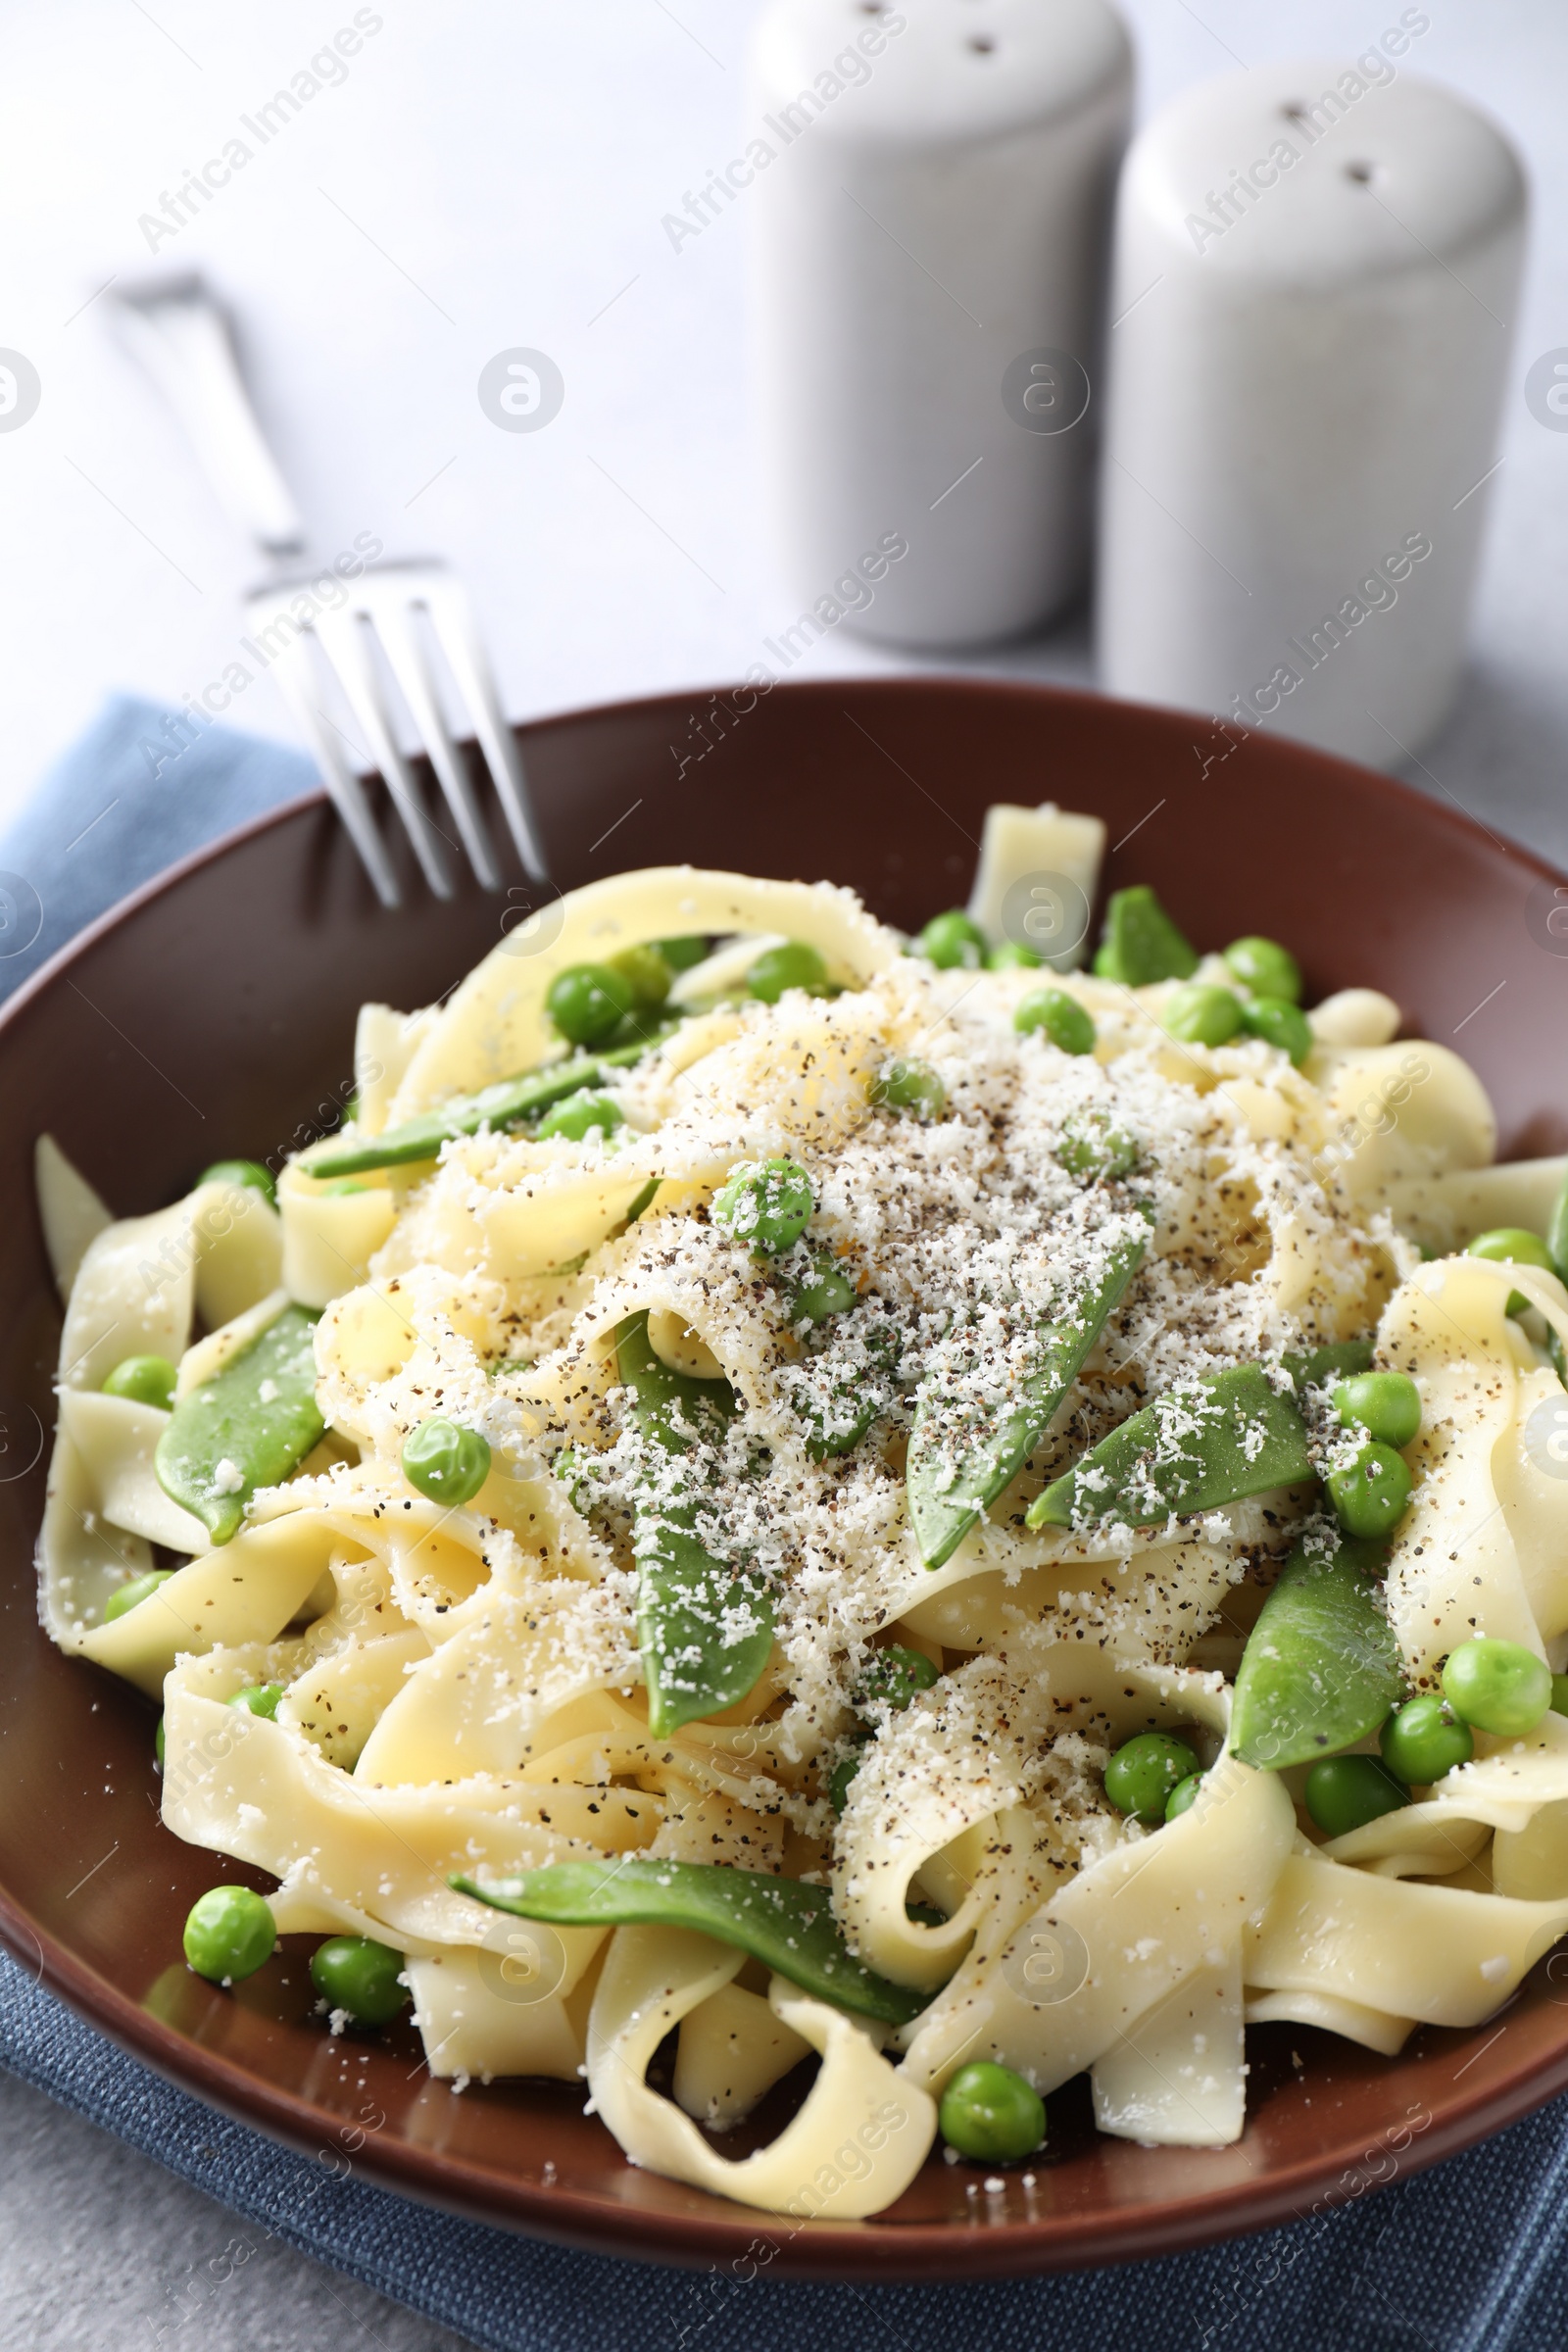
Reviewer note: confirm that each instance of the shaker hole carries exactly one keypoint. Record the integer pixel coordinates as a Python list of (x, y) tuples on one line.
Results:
[(982, 43), (1362, 174)]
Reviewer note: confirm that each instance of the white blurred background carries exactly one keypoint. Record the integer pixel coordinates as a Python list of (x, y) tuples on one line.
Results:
[(497, 177)]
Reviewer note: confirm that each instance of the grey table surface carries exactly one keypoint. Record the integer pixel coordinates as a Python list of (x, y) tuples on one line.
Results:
[(99, 2247), (467, 189)]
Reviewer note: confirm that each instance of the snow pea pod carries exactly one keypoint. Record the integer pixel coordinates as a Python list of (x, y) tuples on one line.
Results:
[(1557, 1234), (1140, 942), (1203, 1444), (704, 1629), (1557, 1244), (788, 1926), (961, 1459), (1341, 1359), (840, 1411), (839, 1426), (507, 1104), (1321, 1667), (247, 1428)]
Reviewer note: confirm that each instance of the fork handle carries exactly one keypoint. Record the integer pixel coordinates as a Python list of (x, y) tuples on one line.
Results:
[(182, 337)]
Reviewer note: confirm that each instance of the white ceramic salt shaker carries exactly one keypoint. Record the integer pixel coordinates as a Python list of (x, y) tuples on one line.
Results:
[(1315, 273), (931, 232)]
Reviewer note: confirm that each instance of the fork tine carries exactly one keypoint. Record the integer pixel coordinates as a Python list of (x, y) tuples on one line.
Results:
[(452, 617), (395, 624), (344, 639), (293, 668)]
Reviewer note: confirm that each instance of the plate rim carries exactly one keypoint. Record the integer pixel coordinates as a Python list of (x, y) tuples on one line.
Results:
[(877, 2251)]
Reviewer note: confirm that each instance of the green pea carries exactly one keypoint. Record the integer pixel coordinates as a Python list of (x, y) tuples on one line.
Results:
[(1201, 1015), (839, 1779), (1512, 1245), (228, 1934), (144, 1379), (357, 1974), (249, 1173), (1280, 1024), (1011, 955), (1067, 1023), (685, 954), (132, 1594), (793, 965), (990, 2114), (895, 1676), (823, 1294), (1386, 1404), (1499, 1687), (587, 1001), (446, 1461), (1424, 1739), (581, 1116), (952, 943), (1560, 1694), (1142, 1773), (259, 1699), (1265, 968), (911, 1086), (158, 1743), (1369, 1496), (644, 1026), (1344, 1792), (645, 972), (1091, 1146), (1183, 1794), (767, 1203)]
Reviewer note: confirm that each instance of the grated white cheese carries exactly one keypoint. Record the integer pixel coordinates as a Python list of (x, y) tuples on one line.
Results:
[(961, 1235)]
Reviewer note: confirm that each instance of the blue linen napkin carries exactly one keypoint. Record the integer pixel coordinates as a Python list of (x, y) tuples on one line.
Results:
[(143, 788), (1465, 2258)]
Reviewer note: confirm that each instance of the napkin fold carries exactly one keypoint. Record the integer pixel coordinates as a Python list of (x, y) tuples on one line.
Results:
[(1468, 2257), (144, 787)]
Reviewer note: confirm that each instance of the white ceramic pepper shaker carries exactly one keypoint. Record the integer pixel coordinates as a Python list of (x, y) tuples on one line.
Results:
[(1315, 275), (931, 233)]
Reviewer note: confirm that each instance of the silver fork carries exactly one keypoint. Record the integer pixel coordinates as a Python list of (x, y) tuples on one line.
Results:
[(383, 628)]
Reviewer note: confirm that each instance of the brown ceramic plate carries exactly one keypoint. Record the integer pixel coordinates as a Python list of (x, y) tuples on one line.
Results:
[(214, 1015)]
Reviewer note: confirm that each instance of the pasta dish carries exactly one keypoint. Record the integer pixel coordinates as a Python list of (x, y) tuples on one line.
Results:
[(779, 1494)]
